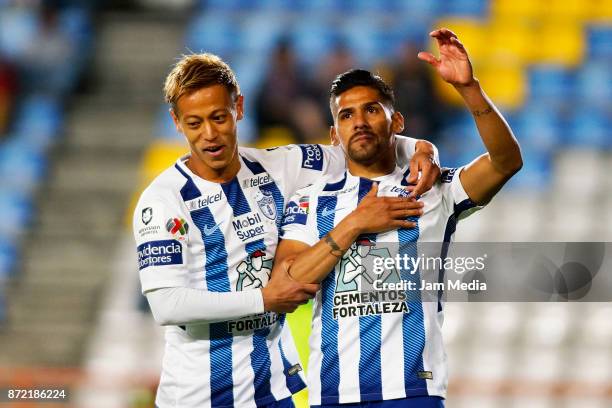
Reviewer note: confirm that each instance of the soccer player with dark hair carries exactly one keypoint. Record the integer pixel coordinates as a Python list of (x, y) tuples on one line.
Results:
[(365, 350), (206, 231)]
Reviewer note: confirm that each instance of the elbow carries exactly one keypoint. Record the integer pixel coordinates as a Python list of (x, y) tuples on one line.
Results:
[(511, 164), (161, 318), (515, 166)]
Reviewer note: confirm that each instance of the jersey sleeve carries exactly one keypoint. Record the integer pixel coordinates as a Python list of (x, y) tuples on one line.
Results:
[(454, 195), (162, 255), (297, 166), (297, 223)]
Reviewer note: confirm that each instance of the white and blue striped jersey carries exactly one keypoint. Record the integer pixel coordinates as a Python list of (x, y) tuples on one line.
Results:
[(362, 347), (222, 237)]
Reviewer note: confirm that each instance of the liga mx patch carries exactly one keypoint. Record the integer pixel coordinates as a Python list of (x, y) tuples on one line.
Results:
[(159, 253), (312, 157)]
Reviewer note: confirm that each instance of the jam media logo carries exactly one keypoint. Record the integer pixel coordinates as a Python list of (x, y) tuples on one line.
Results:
[(177, 227), (147, 215), (254, 272), (266, 204)]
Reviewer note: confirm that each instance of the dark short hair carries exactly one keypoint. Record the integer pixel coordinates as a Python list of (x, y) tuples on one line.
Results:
[(361, 77)]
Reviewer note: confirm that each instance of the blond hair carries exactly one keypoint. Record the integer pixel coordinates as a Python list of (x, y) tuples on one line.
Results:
[(196, 71)]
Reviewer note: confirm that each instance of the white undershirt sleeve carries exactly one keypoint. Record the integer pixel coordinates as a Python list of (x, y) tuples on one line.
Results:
[(181, 305)]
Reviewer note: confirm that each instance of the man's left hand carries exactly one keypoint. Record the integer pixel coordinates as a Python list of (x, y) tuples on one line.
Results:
[(454, 64), (423, 161)]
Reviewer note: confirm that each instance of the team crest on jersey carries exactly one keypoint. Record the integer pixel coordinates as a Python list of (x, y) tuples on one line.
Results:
[(353, 277), (147, 215), (254, 272), (266, 204), (177, 227)]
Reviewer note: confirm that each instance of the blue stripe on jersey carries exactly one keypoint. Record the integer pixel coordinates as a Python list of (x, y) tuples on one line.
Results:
[(189, 191), (330, 366), (221, 383), (294, 382), (413, 323), (370, 335), (451, 227), (337, 185), (260, 356)]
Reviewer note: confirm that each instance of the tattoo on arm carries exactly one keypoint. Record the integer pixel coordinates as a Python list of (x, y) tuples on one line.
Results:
[(483, 112), (335, 249)]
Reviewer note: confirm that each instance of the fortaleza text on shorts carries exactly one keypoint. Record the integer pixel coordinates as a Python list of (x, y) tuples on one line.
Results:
[(450, 284)]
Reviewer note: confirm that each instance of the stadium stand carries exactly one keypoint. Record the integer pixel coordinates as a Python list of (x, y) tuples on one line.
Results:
[(546, 64), (44, 50)]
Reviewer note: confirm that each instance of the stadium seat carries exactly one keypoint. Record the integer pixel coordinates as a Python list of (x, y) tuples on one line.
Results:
[(21, 168), (38, 121), (18, 28), (505, 84), (594, 84), (467, 8), (518, 9), (599, 40), (551, 84), (589, 128), (214, 32), (560, 41), (511, 41), (16, 210), (312, 38)]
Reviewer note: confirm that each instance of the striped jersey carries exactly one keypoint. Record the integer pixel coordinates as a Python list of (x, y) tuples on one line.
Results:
[(367, 345), (222, 237)]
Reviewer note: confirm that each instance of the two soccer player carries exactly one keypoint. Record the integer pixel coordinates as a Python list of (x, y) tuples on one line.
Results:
[(206, 231)]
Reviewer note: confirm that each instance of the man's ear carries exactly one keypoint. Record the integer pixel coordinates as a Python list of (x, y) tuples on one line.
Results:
[(239, 107), (175, 119), (333, 136), (397, 123)]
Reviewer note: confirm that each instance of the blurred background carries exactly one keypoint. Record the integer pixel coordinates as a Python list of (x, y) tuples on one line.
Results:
[(83, 129)]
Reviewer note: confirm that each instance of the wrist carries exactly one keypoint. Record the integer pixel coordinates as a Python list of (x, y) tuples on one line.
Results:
[(351, 225), (472, 86), (266, 299)]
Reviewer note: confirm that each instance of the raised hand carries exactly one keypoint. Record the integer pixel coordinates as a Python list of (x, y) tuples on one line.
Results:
[(454, 64)]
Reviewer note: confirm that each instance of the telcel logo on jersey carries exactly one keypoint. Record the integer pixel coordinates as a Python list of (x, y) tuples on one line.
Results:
[(256, 181), (401, 192), (248, 226), (157, 253), (200, 202), (312, 157)]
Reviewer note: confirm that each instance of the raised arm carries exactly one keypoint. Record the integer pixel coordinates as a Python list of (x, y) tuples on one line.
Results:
[(486, 175), (372, 215)]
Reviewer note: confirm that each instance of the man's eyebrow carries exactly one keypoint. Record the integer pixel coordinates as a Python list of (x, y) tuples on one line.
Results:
[(345, 110)]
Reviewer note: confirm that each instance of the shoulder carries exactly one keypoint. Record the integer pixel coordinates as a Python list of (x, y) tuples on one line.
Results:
[(165, 187)]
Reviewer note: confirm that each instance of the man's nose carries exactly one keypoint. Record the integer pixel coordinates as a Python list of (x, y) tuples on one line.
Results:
[(209, 132)]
